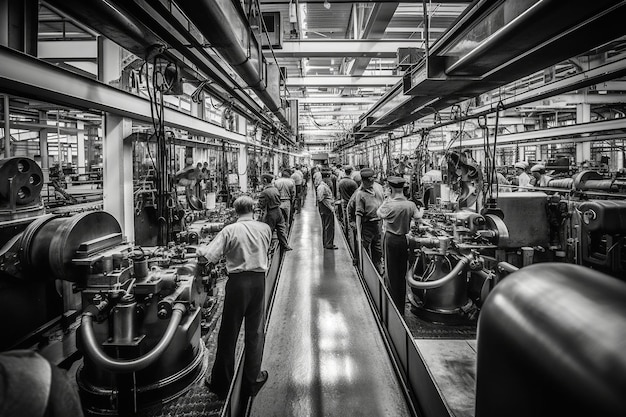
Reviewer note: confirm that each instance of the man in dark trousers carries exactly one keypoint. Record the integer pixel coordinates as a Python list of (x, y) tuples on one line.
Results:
[(269, 202), (245, 245), (346, 187), (325, 206), (287, 191), (396, 213), (363, 205)]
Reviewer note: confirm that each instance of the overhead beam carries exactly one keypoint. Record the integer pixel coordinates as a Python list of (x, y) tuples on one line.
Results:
[(374, 29), (341, 81), (272, 2), (592, 128), (337, 100), (373, 48), (26, 76)]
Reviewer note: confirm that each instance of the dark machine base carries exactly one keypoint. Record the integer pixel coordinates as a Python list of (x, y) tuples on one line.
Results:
[(463, 316), (100, 401)]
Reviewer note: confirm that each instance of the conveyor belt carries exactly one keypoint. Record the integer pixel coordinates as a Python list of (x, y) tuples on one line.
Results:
[(324, 352)]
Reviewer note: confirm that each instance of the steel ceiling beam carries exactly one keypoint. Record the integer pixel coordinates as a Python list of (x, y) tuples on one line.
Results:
[(336, 100), (272, 2), (341, 81), (372, 48), (26, 76), (379, 19), (591, 128)]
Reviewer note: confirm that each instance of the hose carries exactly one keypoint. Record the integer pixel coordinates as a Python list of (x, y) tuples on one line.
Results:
[(428, 285), (101, 359)]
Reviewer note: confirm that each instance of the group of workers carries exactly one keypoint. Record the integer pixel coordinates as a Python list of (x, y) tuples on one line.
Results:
[(537, 177), (379, 219), (381, 222)]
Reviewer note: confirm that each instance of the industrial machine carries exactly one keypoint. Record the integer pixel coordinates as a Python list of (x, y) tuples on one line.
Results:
[(459, 255), (140, 307)]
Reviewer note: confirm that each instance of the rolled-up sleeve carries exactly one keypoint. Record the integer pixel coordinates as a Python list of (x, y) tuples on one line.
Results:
[(214, 251)]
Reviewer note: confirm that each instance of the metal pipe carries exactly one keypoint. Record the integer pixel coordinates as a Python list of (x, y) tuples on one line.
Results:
[(101, 359), (428, 285), (219, 21)]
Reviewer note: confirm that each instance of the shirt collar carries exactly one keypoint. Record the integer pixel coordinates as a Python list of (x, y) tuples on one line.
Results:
[(245, 217)]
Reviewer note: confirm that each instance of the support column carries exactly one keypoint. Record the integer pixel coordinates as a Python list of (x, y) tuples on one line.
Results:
[(43, 147), (583, 113), (7, 127), (80, 147), (275, 164), (242, 161), (583, 152), (118, 172), (109, 60)]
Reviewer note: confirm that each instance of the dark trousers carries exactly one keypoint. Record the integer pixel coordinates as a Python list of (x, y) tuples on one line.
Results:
[(396, 258), (328, 225), (285, 208), (244, 298), (274, 218), (371, 241), (298, 201)]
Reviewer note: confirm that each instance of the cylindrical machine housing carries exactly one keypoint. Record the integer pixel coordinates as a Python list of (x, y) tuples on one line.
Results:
[(551, 341), (446, 302)]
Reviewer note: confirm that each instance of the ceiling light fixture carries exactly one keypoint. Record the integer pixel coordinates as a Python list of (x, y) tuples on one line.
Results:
[(326, 4)]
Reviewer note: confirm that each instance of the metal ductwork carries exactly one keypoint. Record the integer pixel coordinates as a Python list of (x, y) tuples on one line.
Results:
[(106, 19), (222, 23)]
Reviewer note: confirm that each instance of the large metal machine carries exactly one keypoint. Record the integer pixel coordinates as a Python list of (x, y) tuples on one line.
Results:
[(141, 307), (459, 255)]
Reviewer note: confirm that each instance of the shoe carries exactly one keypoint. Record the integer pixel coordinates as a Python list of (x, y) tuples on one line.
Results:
[(221, 396), (260, 381), (287, 248), (331, 247)]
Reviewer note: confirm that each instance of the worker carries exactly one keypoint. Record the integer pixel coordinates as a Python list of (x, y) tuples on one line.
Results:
[(538, 172), (523, 179), (269, 203), (345, 188), (297, 178), (396, 213), (325, 205), (366, 200), (287, 190), (245, 245), (502, 182), (317, 176)]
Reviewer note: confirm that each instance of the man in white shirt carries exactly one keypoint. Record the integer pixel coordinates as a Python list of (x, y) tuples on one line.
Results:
[(523, 179), (287, 190), (245, 244), (297, 178)]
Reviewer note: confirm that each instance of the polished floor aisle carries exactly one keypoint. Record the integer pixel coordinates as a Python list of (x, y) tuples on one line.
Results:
[(324, 353)]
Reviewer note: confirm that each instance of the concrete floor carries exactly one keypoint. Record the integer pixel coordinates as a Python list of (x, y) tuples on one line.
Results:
[(324, 353)]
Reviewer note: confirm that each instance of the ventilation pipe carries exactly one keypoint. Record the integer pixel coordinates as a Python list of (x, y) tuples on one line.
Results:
[(227, 30)]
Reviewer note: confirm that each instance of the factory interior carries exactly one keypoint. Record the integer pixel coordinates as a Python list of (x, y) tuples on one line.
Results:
[(129, 128)]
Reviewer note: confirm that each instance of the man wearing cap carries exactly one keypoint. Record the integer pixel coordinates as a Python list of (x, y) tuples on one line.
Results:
[(269, 202), (325, 205), (346, 187), (297, 178), (396, 214), (523, 179), (363, 206), (539, 175), (287, 190)]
